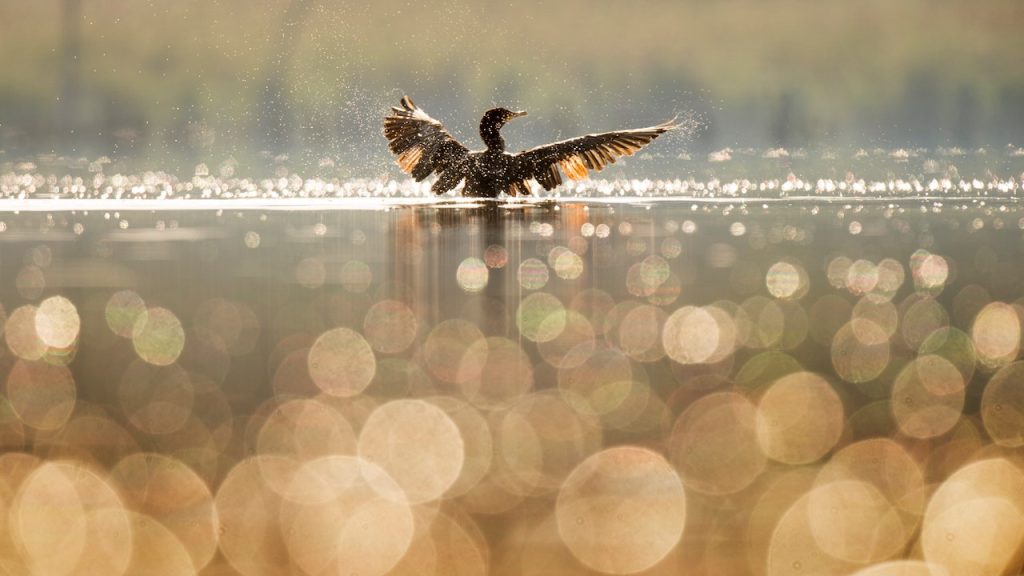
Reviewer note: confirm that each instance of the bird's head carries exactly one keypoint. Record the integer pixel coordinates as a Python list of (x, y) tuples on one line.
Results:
[(497, 117)]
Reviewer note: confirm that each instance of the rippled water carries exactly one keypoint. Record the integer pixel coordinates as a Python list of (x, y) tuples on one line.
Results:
[(863, 175), (290, 375)]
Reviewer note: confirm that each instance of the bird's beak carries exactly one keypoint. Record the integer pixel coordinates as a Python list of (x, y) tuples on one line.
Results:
[(519, 113)]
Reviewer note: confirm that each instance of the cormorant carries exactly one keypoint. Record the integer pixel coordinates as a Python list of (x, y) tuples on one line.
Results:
[(424, 147)]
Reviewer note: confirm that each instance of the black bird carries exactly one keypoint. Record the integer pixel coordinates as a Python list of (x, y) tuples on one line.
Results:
[(424, 147)]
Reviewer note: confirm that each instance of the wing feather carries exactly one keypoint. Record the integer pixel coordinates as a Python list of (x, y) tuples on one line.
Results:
[(574, 157), (423, 146)]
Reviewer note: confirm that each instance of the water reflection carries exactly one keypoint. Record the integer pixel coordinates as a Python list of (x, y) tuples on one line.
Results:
[(569, 388)]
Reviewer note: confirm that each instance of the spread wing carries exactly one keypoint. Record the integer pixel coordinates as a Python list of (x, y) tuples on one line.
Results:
[(423, 146), (576, 155)]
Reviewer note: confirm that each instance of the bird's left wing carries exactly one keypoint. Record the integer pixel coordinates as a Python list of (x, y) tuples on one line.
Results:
[(423, 146), (576, 155)]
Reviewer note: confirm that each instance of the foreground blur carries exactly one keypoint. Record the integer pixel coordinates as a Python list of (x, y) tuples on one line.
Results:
[(574, 389)]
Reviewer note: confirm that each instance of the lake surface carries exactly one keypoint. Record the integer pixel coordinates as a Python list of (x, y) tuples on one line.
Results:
[(713, 375)]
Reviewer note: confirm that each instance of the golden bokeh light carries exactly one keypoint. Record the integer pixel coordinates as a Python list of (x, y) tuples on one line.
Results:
[(762, 370), (122, 312), (342, 512), (891, 276), (67, 519), (860, 351), (539, 440), (42, 395), (930, 271), (979, 537), (973, 523), (793, 547), (644, 278), (691, 335), (787, 280), (446, 351), (838, 272), (540, 547), (21, 336), (600, 384), (157, 545), (248, 509), (641, 412), (622, 510), (654, 270), (533, 274), (567, 264), (390, 326), (417, 444), (765, 322), (355, 276), (169, 492), (901, 568), (996, 333), (920, 319), (721, 388), (853, 521), (714, 444), (1002, 406), (478, 445), (495, 372), (954, 345), (57, 322), (640, 333), (96, 440), (572, 346), (667, 292), (497, 492), (305, 428), (341, 362), (861, 277), (888, 467), (460, 546), (472, 275), (928, 397), (799, 418), (158, 337), (46, 517), (881, 313), (496, 256), (540, 317), (782, 526)]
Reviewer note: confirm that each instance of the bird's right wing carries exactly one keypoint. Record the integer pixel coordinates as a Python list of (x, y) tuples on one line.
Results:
[(576, 155), (423, 146)]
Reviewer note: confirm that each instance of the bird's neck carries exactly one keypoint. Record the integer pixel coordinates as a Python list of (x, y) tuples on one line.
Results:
[(490, 134)]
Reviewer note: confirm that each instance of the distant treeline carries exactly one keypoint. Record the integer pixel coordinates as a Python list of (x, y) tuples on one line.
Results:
[(204, 80)]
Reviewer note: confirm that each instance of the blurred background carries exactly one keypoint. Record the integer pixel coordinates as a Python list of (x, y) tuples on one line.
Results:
[(232, 343), (175, 83)]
